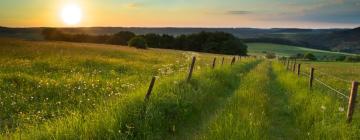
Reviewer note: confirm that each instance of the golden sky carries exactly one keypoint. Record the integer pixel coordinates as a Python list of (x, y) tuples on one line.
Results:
[(185, 13)]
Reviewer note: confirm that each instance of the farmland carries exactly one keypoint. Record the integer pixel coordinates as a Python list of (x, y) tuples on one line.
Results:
[(286, 50), (58, 90)]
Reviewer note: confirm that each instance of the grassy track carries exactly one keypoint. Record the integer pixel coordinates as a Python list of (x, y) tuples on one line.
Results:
[(282, 118), (56, 90), (276, 104), (243, 116)]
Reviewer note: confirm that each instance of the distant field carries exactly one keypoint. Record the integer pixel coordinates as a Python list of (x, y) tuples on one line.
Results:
[(285, 50), (337, 74)]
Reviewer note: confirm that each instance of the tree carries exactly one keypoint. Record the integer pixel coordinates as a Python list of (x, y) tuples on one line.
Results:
[(310, 56), (138, 42), (121, 38), (340, 58), (153, 40)]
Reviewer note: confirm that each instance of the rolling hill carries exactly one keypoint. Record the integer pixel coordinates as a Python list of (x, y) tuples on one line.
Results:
[(342, 40)]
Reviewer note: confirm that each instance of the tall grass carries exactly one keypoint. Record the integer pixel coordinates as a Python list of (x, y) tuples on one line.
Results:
[(243, 116), (41, 81), (275, 104), (319, 114), (174, 107)]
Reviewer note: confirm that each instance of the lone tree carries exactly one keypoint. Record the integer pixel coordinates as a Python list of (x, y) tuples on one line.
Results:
[(138, 42), (310, 56)]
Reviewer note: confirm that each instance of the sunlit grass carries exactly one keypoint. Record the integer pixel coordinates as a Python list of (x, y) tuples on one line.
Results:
[(57, 90), (46, 80)]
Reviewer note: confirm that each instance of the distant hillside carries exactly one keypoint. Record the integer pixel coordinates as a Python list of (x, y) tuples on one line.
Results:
[(334, 40), (344, 40), (34, 33)]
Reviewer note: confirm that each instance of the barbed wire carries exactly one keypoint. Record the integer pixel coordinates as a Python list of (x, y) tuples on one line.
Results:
[(338, 78), (331, 88), (326, 74), (326, 85), (304, 74)]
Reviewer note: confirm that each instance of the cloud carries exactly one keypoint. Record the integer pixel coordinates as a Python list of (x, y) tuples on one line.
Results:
[(238, 12), (134, 5)]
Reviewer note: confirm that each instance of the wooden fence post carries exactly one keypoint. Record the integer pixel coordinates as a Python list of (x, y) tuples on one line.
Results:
[(287, 65), (214, 61), (298, 70), (222, 62), (233, 61), (152, 83), (191, 68), (311, 81), (294, 67), (352, 101)]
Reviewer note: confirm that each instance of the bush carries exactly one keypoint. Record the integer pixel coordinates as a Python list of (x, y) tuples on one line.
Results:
[(352, 59), (310, 56), (270, 55), (138, 42), (340, 58)]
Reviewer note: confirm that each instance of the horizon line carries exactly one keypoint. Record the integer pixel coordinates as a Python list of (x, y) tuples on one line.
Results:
[(179, 27)]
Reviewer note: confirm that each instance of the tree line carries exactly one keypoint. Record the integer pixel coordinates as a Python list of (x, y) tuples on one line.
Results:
[(211, 42)]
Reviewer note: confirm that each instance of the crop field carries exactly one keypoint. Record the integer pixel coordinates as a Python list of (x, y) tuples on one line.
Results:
[(286, 50), (58, 90)]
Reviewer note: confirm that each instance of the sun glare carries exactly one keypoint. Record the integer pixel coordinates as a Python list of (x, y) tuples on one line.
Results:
[(71, 14)]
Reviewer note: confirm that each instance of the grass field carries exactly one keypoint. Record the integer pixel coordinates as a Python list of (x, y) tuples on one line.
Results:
[(57, 90), (45, 80), (285, 50)]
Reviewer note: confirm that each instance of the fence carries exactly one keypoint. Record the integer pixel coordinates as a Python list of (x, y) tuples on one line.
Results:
[(311, 75), (192, 65)]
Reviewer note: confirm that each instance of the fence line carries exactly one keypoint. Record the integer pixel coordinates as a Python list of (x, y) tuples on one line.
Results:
[(351, 98), (338, 78), (326, 85), (331, 88), (304, 74)]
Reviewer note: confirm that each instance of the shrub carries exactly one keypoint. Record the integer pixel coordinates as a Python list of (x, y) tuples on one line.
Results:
[(352, 59), (138, 42), (310, 56), (340, 58), (270, 55)]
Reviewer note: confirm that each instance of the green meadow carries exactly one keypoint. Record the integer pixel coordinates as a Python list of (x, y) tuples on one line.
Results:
[(58, 90), (286, 50)]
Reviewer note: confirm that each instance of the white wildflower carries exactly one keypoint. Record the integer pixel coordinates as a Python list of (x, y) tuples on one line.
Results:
[(341, 109), (323, 107)]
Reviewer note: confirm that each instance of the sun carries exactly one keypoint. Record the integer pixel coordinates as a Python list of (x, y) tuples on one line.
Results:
[(71, 14)]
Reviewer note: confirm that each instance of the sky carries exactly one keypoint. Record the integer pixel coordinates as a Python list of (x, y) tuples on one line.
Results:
[(185, 13)]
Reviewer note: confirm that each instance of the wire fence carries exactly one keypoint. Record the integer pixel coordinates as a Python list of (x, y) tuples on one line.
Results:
[(312, 79), (335, 77), (331, 88), (339, 92), (343, 95)]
